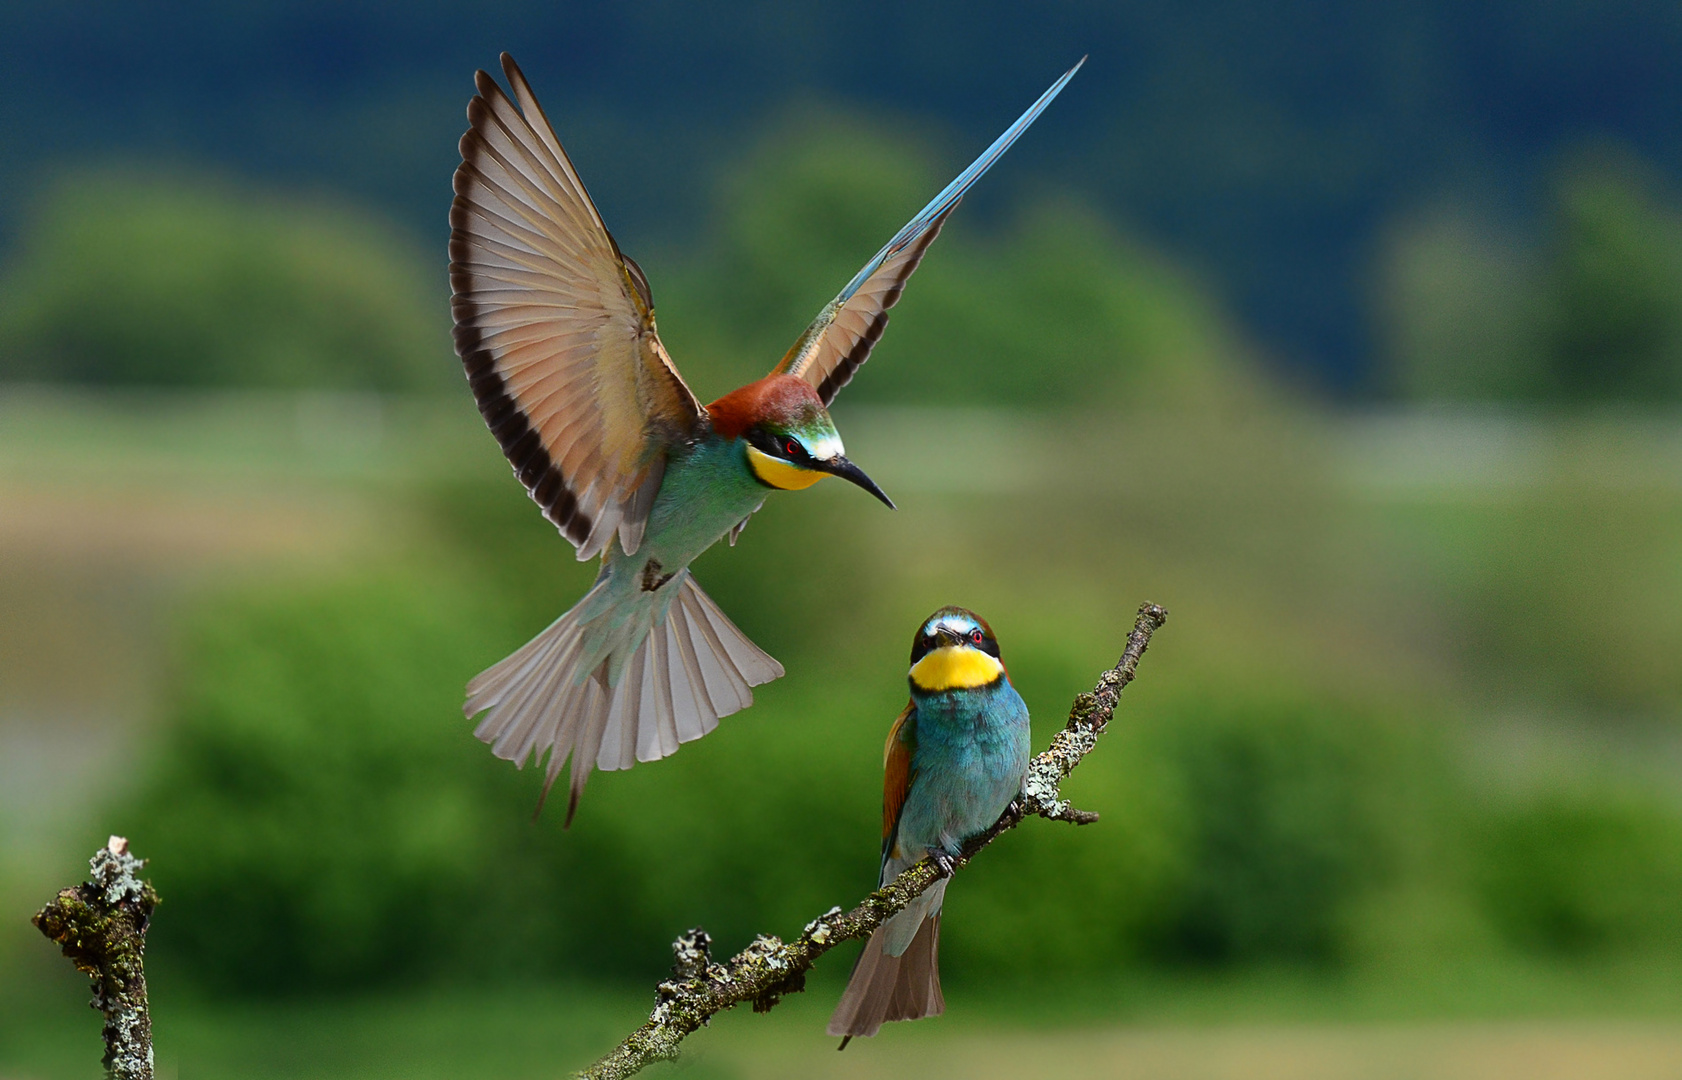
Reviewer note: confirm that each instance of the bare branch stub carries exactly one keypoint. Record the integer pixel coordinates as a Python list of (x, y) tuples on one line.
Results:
[(768, 968), (101, 926)]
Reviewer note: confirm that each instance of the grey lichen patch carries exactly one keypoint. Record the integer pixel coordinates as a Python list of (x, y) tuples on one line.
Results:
[(1039, 790), (114, 871), (817, 931), (130, 1054), (101, 927), (764, 949), (691, 953)]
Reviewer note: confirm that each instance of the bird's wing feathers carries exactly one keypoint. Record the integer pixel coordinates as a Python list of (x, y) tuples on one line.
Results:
[(896, 772), (556, 328), (848, 327), (841, 337)]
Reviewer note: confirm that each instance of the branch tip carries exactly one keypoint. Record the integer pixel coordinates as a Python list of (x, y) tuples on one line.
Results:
[(100, 926)]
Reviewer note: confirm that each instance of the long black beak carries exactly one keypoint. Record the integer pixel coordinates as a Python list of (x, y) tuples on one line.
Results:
[(846, 470)]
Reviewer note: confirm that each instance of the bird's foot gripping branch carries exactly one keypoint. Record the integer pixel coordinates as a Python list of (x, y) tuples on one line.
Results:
[(101, 926), (769, 968)]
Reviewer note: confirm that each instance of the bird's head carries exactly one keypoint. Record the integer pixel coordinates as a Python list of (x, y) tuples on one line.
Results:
[(954, 650), (791, 442)]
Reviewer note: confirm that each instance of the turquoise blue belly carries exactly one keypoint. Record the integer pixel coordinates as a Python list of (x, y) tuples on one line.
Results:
[(972, 751)]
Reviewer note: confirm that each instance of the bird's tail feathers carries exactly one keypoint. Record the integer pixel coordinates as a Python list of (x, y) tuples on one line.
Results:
[(557, 693), (902, 928), (886, 987)]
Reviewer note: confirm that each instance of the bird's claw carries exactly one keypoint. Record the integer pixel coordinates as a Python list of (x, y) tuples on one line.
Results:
[(943, 863)]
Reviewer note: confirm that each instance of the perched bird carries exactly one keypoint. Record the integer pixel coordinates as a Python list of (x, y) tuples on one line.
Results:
[(954, 761), (556, 328)]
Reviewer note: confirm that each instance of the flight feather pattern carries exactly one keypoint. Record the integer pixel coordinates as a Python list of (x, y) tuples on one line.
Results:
[(840, 339), (556, 328)]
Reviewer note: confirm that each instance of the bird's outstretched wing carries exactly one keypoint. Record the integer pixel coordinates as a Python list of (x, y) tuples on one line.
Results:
[(556, 327), (896, 773), (841, 337)]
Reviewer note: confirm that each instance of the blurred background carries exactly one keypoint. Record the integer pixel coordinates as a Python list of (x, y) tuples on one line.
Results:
[(1352, 334)]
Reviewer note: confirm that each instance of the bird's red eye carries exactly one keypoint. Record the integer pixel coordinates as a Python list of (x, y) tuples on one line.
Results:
[(975, 636), (791, 448)]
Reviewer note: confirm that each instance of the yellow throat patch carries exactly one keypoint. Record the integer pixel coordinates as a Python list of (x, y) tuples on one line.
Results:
[(953, 667), (779, 473)]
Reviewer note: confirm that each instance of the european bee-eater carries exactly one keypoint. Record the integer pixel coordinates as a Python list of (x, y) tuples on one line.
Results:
[(954, 761), (556, 328)]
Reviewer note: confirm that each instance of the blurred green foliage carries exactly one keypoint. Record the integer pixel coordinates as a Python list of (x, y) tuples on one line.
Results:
[(1575, 872), (129, 278), (1284, 820), (1613, 289), (136, 278), (319, 815), (1457, 306), (317, 828), (1052, 307), (1590, 310)]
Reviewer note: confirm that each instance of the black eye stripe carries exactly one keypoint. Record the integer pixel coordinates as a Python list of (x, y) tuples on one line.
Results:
[(778, 446), (928, 642)]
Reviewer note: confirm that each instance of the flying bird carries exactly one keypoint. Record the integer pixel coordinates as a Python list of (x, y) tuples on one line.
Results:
[(955, 759), (555, 326)]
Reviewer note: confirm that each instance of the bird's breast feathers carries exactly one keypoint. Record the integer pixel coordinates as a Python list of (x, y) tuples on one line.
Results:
[(954, 667)]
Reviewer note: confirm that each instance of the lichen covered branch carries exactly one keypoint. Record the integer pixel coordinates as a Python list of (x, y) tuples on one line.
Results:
[(769, 968), (101, 926)]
